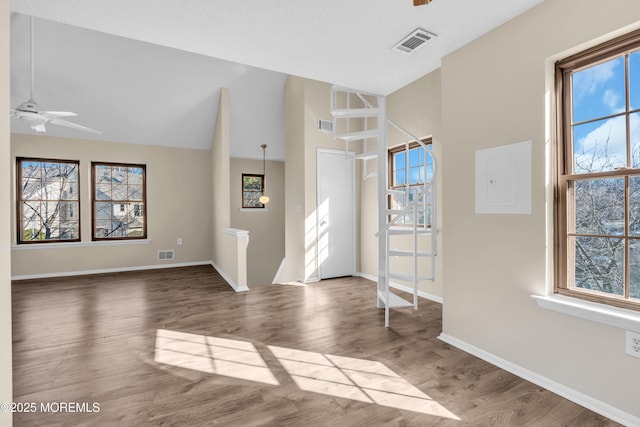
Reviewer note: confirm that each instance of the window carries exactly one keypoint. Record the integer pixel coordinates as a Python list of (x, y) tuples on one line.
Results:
[(597, 205), (119, 201), (48, 205), (409, 166), (252, 188)]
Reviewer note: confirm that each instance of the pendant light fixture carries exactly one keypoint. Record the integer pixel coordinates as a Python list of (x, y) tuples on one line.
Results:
[(264, 199)]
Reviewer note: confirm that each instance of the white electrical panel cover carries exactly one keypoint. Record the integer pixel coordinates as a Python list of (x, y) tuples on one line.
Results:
[(503, 179)]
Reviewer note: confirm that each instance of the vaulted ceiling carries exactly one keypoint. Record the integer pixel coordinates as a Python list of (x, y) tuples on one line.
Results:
[(150, 71)]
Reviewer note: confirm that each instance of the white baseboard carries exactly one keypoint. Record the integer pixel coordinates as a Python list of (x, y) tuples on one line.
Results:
[(404, 288), (107, 270), (544, 382), (231, 283)]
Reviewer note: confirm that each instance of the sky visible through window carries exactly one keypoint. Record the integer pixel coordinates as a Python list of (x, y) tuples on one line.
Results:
[(598, 92)]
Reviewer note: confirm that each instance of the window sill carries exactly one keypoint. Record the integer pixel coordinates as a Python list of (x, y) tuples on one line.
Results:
[(67, 245), (608, 315)]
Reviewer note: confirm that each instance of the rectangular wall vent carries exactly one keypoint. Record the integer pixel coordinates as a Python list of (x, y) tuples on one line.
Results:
[(165, 255), (413, 41), (325, 125)]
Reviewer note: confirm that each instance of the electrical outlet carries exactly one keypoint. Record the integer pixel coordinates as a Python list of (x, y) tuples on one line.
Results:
[(179, 241), (633, 344)]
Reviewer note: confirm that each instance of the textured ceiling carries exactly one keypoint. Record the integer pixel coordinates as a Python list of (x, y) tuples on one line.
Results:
[(343, 42)]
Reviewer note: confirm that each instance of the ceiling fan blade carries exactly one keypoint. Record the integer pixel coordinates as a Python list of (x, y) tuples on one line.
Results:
[(420, 2), (61, 122), (54, 114)]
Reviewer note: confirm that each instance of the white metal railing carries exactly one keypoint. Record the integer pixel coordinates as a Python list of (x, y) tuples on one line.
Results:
[(425, 201)]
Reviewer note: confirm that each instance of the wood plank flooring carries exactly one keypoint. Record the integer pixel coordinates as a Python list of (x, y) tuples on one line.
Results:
[(179, 347)]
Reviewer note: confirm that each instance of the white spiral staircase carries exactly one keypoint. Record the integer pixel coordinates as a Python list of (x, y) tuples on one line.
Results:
[(406, 210)]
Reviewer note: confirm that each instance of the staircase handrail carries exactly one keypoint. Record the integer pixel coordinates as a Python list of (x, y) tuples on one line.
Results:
[(406, 132)]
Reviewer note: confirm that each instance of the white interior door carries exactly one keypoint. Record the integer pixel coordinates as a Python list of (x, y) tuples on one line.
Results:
[(336, 209)]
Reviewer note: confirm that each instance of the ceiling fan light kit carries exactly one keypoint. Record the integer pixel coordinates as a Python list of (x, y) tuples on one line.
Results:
[(28, 111)]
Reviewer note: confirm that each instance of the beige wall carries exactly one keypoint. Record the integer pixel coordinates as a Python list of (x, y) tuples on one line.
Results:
[(494, 92), (178, 200), (306, 101), (294, 179), (265, 226), (6, 392), (220, 208), (416, 108)]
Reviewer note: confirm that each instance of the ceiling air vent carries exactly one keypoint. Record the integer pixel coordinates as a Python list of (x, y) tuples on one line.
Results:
[(413, 41), (325, 125)]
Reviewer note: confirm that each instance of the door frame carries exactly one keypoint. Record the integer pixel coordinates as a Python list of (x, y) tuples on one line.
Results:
[(352, 157)]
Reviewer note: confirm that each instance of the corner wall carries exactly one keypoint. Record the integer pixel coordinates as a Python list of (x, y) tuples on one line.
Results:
[(221, 194), (495, 92)]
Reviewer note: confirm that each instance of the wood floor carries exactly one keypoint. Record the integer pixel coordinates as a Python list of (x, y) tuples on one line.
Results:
[(179, 347)]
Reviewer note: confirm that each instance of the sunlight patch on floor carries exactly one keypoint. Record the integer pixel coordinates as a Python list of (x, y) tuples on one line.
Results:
[(357, 379), (345, 377), (220, 356)]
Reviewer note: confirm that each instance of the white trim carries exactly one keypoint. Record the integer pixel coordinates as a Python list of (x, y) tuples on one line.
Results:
[(235, 232), (67, 245), (107, 270), (276, 278), (227, 279), (425, 295), (601, 313), (560, 389)]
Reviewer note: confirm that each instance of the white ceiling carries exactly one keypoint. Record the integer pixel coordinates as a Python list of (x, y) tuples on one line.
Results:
[(147, 93)]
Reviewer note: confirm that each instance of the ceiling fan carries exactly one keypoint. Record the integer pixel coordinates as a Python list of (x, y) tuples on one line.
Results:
[(420, 2), (28, 111)]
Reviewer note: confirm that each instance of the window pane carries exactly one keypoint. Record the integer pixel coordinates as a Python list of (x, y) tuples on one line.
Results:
[(119, 192), (634, 121), (416, 175), (69, 171), (599, 264), (31, 189), (102, 173), (600, 146), (252, 183), (134, 176), (135, 192), (102, 210), (400, 177), (598, 91), (103, 191), (416, 157), (69, 191), (634, 206), (69, 230), (599, 206), (634, 79), (399, 160), (634, 269)]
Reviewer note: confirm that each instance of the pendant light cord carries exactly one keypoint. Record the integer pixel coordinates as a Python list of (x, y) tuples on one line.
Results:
[(264, 168)]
